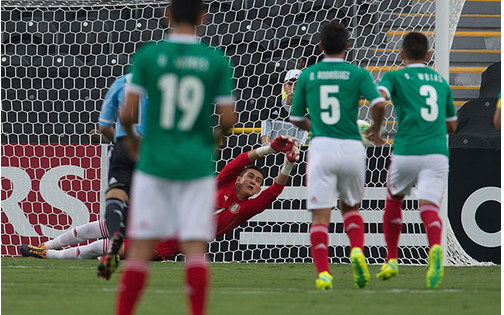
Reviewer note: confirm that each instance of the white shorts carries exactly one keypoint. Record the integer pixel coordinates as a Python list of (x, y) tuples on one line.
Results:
[(429, 172), (163, 209), (336, 168)]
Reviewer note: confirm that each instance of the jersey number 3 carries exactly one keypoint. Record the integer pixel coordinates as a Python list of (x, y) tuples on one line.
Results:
[(187, 95), (329, 105), (431, 113)]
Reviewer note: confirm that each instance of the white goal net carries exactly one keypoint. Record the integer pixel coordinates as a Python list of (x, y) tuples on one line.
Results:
[(59, 58)]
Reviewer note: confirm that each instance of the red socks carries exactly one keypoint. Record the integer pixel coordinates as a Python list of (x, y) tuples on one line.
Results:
[(196, 283), (354, 228), (131, 287), (433, 225), (392, 225), (319, 239), (136, 272)]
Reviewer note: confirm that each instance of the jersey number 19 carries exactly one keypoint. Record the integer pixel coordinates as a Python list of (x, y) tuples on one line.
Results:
[(187, 95)]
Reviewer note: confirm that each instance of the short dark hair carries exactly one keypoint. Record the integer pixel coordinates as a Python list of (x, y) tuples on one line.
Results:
[(415, 46), (253, 167), (186, 11), (333, 38)]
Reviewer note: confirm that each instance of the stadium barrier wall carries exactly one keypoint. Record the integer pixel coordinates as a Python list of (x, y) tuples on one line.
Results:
[(474, 201)]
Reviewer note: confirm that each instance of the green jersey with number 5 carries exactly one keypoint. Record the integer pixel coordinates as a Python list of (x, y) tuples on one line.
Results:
[(423, 102), (330, 92), (183, 79)]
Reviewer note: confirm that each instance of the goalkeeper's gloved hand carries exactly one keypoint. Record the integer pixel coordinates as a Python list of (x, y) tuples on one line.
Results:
[(290, 160), (279, 144)]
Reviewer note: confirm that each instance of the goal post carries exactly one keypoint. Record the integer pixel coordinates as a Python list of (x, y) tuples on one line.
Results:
[(58, 62)]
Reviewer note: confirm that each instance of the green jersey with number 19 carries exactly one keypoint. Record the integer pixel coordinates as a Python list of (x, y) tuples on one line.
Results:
[(330, 90), (423, 102), (183, 79)]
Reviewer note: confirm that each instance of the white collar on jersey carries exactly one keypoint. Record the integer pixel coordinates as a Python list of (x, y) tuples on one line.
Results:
[(416, 65), (332, 59), (182, 38)]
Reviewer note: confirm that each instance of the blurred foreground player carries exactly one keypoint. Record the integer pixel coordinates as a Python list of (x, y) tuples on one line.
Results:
[(173, 185)]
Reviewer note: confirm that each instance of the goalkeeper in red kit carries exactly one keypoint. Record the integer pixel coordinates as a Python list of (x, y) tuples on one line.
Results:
[(238, 181)]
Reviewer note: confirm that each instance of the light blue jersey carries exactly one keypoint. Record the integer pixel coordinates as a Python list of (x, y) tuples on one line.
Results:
[(114, 102)]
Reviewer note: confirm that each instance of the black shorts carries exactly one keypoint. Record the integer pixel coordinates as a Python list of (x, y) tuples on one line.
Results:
[(120, 167)]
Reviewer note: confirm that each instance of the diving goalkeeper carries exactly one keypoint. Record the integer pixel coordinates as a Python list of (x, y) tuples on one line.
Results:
[(238, 181)]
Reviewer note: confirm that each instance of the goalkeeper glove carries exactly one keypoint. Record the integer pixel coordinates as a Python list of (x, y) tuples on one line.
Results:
[(279, 144), (290, 160)]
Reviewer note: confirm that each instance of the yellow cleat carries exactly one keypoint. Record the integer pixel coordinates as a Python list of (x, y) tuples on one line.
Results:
[(360, 269), (33, 251), (436, 269), (388, 270), (324, 281)]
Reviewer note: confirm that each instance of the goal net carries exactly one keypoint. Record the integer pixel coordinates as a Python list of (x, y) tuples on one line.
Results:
[(59, 58)]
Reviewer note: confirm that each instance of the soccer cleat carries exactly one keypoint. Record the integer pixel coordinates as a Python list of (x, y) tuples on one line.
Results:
[(324, 281), (110, 261), (388, 270), (436, 269), (360, 269), (33, 251)]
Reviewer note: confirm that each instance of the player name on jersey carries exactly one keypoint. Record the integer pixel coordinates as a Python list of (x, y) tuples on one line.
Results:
[(331, 75), (192, 62), (427, 77)]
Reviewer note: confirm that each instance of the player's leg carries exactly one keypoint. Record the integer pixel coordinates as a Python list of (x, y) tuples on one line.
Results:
[(197, 227), (90, 251), (321, 199), (116, 206), (134, 276), (150, 199), (402, 175), (351, 179), (197, 274), (431, 185), (117, 195), (354, 228), (79, 234), (319, 240), (85, 252)]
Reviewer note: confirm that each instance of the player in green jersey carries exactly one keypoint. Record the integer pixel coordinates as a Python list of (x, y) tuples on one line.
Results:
[(424, 105), (330, 90), (173, 192)]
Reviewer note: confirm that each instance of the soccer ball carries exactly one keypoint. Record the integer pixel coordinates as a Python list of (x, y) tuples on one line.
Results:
[(363, 126)]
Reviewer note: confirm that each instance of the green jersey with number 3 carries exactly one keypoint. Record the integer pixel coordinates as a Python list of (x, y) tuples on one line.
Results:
[(183, 79), (330, 90), (423, 102)]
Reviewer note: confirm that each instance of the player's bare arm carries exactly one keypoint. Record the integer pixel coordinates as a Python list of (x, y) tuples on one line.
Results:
[(227, 119), (377, 113), (128, 114), (107, 131), (303, 124), (451, 126)]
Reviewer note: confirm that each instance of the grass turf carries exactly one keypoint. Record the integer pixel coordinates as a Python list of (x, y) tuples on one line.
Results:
[(34, 286)]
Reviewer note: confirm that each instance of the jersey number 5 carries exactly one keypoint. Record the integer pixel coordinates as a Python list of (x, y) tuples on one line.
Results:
[(431, 113), (187, 95), (329, 104)]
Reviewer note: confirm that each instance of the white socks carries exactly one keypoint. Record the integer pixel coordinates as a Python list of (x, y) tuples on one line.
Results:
[(91, 251), (95, 229)]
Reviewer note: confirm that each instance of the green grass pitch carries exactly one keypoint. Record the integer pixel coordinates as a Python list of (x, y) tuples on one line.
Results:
[(34, 286)]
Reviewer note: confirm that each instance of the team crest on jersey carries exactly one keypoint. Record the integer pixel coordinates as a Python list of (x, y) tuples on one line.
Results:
[(234, 208)]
